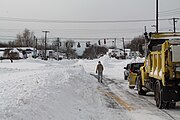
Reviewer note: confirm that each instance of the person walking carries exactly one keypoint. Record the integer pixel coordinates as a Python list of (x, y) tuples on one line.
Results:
[(11, 56), (99, 71)]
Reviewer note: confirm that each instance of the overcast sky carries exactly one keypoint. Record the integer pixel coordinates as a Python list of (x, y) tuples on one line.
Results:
[(85, 10)]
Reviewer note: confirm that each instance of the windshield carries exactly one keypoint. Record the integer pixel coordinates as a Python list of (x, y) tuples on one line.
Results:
[(136, 66)]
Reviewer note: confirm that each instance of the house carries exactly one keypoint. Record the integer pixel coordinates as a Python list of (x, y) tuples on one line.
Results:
[(5, 53), (117, 53), (128, 53)]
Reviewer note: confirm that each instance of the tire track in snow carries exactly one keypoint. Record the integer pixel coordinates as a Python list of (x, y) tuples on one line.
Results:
[(165, 113), (142, 102), (116, 98)]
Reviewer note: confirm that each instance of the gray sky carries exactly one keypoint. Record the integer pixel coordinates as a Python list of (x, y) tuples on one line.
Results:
[(84, 10)]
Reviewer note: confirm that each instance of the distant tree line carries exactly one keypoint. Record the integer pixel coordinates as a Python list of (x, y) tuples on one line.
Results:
[(27, 39)]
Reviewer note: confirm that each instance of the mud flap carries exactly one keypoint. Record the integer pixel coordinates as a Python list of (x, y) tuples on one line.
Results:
[(170, 94)]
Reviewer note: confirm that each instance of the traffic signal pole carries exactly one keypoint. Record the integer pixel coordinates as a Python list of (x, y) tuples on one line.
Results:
[(124, 48), (45, 31)]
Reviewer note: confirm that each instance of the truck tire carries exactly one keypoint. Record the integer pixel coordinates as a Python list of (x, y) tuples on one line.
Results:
[(170, 105), (139, 86), (158, 95)]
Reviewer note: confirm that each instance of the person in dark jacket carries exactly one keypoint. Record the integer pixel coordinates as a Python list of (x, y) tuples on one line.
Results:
[(11, 56), (99, 71)]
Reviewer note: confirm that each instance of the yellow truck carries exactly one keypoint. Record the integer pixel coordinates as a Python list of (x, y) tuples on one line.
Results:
[(161, 70)]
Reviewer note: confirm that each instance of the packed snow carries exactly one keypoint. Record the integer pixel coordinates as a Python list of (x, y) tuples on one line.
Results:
[(33, 89)]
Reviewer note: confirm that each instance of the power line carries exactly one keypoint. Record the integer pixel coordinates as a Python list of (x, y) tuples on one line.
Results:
[(88, 38), (100, 32), (7, 36), (170, 14), (74, 21), (7, 39), (172, 10), (87, 31)]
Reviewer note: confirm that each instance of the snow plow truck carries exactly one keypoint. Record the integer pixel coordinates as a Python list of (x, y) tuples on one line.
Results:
[(161, 70)]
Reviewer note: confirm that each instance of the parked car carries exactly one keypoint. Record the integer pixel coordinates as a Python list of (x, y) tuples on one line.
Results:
[(126, 71), (133, 70)]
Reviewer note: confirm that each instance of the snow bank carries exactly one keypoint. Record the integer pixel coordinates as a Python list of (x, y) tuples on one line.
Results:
[(50, 90), (33, 89)]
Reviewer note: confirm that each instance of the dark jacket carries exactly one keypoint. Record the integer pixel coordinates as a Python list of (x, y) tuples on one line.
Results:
[(99, 68)]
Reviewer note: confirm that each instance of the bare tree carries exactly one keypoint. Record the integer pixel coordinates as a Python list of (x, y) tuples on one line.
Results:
[(70, 52), (25, 39), (135, 43), (94, 51), (11, 44)]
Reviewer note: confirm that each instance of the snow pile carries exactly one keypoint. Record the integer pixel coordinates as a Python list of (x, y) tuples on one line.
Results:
[(33, 89), (50, 90), (113, 68)]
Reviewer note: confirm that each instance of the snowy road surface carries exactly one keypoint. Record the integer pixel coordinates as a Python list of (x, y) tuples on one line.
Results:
[(68, 90)]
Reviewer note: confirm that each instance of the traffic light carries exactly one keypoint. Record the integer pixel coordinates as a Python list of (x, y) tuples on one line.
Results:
[(104, 41), (71, 44), (78, 45), (66, 44), (99, 42), (88, 44)]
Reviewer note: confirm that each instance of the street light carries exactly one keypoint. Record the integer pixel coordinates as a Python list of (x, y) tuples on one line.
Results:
[(45, 31), (35, 47)]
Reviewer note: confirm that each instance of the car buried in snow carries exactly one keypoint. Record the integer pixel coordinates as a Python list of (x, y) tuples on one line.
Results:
[(131, 72), (126, 71)]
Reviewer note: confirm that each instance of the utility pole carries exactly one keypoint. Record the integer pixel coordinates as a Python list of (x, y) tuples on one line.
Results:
[(174, 23), (45, 31), (58, 49), (34, 49), (123, 47), (36, 44), (145, 29), (115, 43), (157, 16), (145, 40)]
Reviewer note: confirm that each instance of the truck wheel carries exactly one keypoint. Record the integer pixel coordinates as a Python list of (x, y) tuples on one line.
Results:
[(171, 105), (139, 86), (158, 95), (131, 87)]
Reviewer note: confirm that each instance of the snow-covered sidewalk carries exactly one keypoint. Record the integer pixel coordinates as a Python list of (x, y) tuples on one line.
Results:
[(51, 90)]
